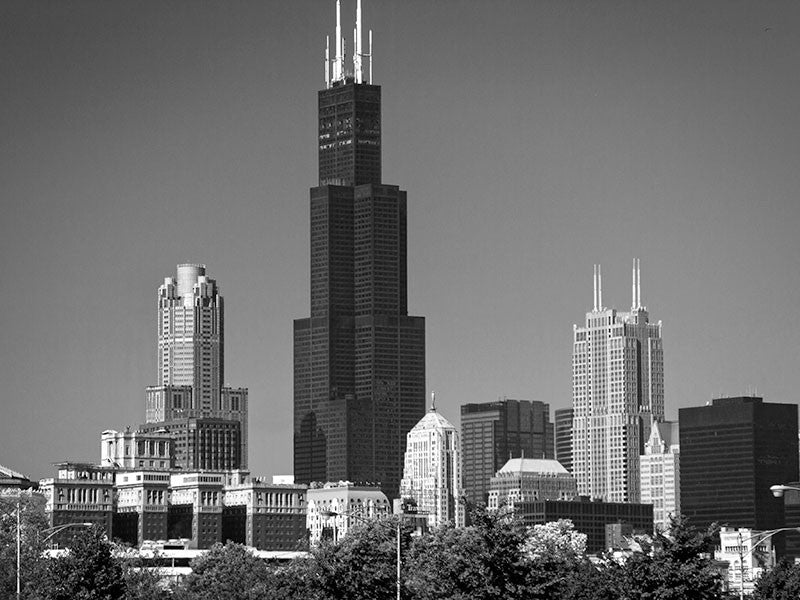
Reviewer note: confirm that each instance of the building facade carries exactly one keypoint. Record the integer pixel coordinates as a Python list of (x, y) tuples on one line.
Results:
[(528, 480), (493, 432), (333, 508), (617, 390), (660, 473), (136, 450), (732, 451), (432, 470), (563, 437), (191, 402), (359, 359), (749, 555)]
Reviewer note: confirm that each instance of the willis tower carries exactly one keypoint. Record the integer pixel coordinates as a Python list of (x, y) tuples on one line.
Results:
[(359, 359)]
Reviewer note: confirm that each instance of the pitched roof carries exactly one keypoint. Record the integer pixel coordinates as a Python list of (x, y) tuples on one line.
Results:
[(533, 465)]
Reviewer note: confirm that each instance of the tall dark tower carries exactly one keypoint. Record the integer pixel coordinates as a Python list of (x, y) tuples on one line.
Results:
[(359, 359)]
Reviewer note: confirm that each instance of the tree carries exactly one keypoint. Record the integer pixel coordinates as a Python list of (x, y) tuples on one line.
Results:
[(781, 583), (32, 521), (231, 571), (86, 571)]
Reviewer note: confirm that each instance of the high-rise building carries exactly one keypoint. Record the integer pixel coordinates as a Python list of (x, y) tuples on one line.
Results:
[(563, 434), (617, 391), (207, 420), (660, 473), (432, 470), (493, 432), (359, 359), (732, 451)]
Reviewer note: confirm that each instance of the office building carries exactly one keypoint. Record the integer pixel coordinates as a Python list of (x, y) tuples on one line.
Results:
[(136, 450), (732, 451), (749, 554), (660, 473), (530, 479), (333, 508), (493, 432), (432, 470), (206, 419), (563, 435), (359, 359), (617, 390)]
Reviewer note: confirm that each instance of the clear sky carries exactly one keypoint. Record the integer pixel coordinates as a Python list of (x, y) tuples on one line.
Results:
[(534, 140)]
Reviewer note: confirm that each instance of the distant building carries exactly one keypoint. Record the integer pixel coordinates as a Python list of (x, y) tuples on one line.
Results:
[(563, 435), (359, 358), (12, 479), (191, 402), (332, 509), (200, 508), (589, 516), (749, 555), (432, 470), (661, 474), (617, 390), (732, 451), (136, 450), (530, 479), (493, 432), (79, 493)]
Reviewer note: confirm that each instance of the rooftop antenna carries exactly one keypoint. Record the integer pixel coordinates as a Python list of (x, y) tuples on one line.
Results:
[(337, 65), (327, 61), (370, 56), (638, 285), (633, 286), (357, 52), (594, 278), (600, 286)]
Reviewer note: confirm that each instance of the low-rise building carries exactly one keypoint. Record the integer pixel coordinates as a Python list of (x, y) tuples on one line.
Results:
[(530, 479), (333, 508), (748, 553)]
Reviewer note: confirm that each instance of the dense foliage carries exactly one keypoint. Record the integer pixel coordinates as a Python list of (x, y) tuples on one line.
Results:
[(495, 557)]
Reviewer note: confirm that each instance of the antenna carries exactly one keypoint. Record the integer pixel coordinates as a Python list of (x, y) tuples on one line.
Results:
[(633, 286), (600, 286), (337, 65), (357, 53), (594, 278), (638, 285), (327, 61), (370, 56)]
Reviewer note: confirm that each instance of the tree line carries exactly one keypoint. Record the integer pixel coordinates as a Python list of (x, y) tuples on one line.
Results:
[(496, 556)]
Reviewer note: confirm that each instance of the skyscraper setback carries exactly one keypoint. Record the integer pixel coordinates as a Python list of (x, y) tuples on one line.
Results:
[(359, 359), (617, 391)]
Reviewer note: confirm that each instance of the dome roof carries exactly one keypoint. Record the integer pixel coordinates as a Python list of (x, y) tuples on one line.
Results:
[(533, 465)]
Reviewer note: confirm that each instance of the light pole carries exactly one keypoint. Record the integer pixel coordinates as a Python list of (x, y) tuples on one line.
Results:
[(762, 537), (333, 513)]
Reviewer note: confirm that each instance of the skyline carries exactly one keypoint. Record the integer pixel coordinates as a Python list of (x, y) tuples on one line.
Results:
[(533, 141)]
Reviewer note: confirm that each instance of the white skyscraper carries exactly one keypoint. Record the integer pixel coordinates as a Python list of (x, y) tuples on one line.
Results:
[(660, 473), (432, 469), (191, 361), (617, 390)]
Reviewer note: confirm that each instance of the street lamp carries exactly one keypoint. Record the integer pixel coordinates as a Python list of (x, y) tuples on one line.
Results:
[(762, 537), (778, 490), (332, 513)]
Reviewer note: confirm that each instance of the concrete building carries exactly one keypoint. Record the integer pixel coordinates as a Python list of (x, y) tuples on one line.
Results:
[(493, 432), (617, 390), (333, 508), (660, 473), (79, 493), (563, 437), (732, 451), (12, 479), (432, 470), (359, 358), (749, 555), (136, 450), (191, 402), (528, 480)]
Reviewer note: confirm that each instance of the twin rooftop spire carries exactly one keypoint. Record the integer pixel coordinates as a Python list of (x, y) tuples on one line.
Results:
[(636, 287), (337, 63)]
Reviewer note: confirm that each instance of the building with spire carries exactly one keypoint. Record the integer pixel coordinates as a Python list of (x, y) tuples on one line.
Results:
[(432, 469), (660, 473), (617, 391), (206, 420), (359, 358)]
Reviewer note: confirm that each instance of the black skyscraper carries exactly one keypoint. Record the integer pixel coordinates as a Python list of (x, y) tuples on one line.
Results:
[(359, 360), (731, 453)]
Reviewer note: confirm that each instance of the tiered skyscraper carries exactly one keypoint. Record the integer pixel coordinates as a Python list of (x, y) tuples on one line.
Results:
[(207, 420), (617, 391), (359, 359)]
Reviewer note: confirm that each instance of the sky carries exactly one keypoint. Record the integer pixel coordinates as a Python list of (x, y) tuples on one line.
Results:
[(534, 139)]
